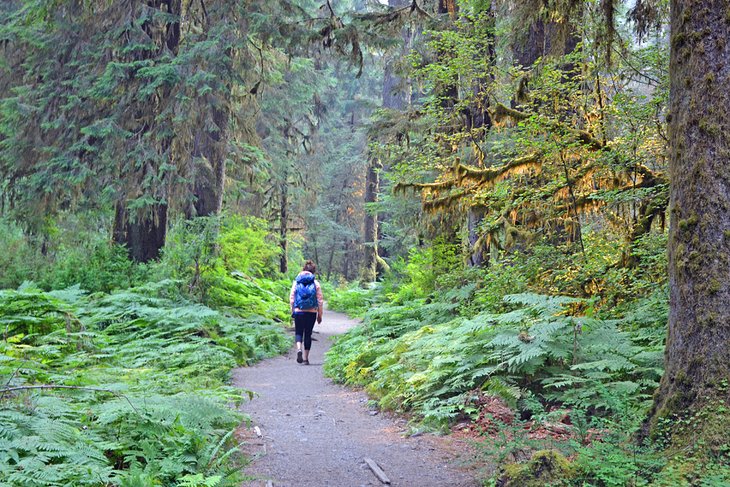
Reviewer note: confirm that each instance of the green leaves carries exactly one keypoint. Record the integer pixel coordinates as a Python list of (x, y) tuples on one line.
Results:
[(414, 358), (150, 404)]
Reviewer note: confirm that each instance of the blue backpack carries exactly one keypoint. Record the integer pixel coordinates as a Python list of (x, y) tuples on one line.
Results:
[(305, 294)]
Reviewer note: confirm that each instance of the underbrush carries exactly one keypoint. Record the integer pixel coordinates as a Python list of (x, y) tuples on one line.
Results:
[(130, 387), (127, 388), (572, 353), (73, 252), (426, 359), (352, 300)]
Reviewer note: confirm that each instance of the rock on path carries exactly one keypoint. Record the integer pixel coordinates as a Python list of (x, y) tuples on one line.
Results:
[(316, 433)]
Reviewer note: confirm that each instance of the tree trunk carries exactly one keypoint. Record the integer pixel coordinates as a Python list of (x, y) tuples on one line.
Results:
[(283, 224), (372, 187), (144, 232), (477, 117), (697, 354), (144, 236), (210, 174), (477, 253), (346, 261)]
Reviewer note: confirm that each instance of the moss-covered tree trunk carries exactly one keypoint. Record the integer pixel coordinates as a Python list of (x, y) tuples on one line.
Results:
[(697, 358), (370, 240), (143, 235)]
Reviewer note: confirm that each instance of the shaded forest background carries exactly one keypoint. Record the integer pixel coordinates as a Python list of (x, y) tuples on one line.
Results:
[(488, 180)]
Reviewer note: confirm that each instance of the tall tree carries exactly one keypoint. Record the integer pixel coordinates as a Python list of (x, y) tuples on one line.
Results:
[(142, 228), (698, 341)]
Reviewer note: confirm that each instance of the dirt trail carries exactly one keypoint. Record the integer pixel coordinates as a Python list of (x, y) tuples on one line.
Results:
[(316, 433)]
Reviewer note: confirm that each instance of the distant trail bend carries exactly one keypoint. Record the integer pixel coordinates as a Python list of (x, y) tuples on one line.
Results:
[(315, 433)]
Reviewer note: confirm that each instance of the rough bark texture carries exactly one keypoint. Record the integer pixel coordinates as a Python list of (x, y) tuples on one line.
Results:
[(144, 232), (372, 187), (698, 343)]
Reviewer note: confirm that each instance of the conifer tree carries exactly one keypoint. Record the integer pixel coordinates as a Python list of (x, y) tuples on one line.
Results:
[(697, 349)]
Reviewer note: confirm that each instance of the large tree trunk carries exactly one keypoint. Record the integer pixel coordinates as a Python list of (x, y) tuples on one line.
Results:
[(144, 232), (144, 236), (697, 357), (210, 174)]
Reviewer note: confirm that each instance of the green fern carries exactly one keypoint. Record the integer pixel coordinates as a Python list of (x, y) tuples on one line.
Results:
[(411, 361), (134, 419)]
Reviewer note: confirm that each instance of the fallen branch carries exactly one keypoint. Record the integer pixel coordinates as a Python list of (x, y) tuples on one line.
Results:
[(377, 470)]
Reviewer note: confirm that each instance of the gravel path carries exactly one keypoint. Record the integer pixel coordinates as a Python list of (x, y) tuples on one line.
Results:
[(316, 433)]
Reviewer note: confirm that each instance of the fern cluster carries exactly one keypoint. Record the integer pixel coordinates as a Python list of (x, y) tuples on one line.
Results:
[(353, 300), (134, 387), (425, 358)]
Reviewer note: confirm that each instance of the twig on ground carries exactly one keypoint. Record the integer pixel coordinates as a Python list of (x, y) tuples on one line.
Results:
[(377, 470)]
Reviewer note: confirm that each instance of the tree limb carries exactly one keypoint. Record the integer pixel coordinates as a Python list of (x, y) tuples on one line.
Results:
[(500, 112)]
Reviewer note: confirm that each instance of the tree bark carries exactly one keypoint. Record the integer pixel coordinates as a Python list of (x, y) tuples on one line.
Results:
[(144, 236), (372, 187), (144, 232), (697, 353), (283, 224)]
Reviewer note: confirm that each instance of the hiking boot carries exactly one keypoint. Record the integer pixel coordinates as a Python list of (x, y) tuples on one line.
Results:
[(299, 357)]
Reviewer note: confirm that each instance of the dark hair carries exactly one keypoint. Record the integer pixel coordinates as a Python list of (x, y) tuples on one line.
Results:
[(310, 267)]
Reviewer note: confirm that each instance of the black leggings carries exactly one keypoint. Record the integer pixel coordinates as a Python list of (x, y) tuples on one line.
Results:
[(303, 326)]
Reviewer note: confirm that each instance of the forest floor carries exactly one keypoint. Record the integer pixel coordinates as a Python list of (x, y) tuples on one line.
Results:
[(316, 433)]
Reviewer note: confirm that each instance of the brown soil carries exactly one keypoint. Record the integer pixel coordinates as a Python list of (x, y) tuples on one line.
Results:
[(316, 433)]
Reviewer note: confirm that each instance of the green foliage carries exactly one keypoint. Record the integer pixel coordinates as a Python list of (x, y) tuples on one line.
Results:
[(423, 358), (246, 246), (228, 262), (600, 452), (75, 253), (353, 300), (147, 401)]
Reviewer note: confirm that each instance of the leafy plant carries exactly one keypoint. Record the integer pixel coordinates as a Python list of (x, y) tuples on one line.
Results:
[(127, 388)]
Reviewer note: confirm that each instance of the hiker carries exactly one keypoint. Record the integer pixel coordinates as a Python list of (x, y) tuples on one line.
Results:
[(306, 303)]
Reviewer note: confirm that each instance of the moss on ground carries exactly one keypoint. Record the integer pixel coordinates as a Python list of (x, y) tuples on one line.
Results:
[(545, 467)]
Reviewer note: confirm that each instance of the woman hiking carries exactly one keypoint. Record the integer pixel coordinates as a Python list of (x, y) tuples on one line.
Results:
[(306, 303)]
